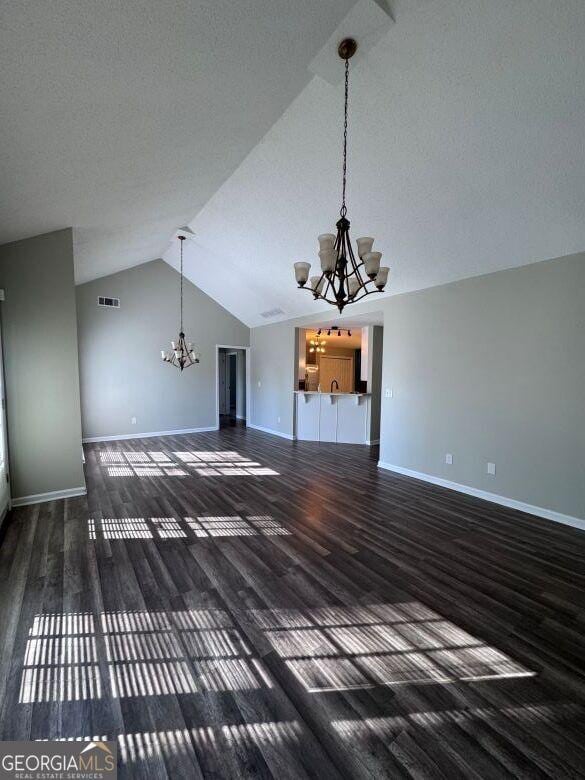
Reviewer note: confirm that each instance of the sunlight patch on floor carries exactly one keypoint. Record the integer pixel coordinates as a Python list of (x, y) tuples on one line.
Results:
[(168, 528), (73, 656), (128, 528), (141, 746), (156, 463), (344, 648)]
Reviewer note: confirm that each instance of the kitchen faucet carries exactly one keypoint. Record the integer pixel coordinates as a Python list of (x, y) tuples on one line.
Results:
[(334, 382)]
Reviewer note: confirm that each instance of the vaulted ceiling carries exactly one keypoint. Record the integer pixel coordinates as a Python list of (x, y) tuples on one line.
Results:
[(466, 137), (122, 119)]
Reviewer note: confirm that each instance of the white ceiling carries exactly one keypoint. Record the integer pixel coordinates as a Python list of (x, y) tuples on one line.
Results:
[(466, 137), (122, 119), (466, 156)]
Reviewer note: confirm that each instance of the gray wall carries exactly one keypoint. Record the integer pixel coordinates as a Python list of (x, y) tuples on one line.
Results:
[(122, 374), (488, 369), (273, 376), (40, 357), (492, 369), (375, 380)]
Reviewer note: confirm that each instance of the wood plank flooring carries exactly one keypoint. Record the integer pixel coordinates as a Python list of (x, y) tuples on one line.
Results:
[(223, 607)]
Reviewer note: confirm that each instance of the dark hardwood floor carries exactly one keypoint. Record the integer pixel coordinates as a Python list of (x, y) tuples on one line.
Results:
[(223, 607)]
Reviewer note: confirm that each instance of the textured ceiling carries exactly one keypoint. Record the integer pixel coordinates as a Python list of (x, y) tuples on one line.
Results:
[(121, 119), (466, 156), (125, 120)]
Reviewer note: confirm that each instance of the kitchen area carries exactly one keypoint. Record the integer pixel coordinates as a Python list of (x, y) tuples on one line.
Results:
[(339, 375)]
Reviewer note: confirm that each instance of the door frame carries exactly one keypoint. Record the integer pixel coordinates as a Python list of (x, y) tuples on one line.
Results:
[(248, 375)]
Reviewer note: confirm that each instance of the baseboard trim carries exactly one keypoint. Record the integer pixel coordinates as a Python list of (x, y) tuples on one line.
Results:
[(149, 435), (371, 442), (240, 416), (272, 432), (54, 495), (511, 503)]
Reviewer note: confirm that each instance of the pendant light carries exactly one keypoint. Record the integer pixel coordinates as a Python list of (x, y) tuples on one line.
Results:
[(317, 344), (182, 354), (344, 279)]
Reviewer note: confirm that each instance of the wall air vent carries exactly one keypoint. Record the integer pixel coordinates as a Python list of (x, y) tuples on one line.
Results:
[(272, 313), (113, 303)]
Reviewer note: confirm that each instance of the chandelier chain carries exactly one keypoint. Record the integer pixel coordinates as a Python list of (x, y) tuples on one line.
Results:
[(181, 286), (343, 210), (182, 354)]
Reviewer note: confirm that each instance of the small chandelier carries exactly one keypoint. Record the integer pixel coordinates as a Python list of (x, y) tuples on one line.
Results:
[(317, 344), (182, 354), (342, 277)]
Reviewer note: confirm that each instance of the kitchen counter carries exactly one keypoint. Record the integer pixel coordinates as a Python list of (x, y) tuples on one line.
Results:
[(325, 392), (332, 416)]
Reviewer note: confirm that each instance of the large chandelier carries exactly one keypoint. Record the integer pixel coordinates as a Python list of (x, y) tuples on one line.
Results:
[(182, 354), (344, 280)]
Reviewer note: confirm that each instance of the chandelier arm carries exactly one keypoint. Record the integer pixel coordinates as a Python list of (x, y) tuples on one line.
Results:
[(366, 293), (319, 296), (327, 300), (328, 286), (338, 249), (343, 274), (355, 265)]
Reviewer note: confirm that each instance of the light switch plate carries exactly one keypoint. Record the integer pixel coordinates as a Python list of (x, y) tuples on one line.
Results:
[(133, 420), (449, 459), (389, 393), (491, 468)]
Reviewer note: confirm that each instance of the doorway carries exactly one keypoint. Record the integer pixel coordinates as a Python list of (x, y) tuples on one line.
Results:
[(232, 386)]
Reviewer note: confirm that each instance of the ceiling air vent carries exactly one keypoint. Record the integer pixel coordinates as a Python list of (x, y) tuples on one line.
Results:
[(272, 313), (113, 303)]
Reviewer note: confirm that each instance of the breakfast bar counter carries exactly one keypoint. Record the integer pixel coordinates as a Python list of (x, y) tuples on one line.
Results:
[(333, 417)]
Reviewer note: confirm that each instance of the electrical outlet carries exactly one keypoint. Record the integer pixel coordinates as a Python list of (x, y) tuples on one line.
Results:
[(133, 420), (491, 468), (279, 419), (259, 383), (389, 393), (449, 459)]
